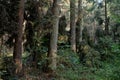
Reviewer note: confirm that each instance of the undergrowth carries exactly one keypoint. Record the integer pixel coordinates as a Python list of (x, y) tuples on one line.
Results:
[(69, 66)]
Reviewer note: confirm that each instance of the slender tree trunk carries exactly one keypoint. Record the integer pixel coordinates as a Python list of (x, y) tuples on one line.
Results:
[(17, 55), (72, 25), (0, 46), (79, 23), (54, 36), (106, 19)]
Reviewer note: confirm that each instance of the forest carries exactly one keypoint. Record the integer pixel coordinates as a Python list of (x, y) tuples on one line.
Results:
[(59, 39)]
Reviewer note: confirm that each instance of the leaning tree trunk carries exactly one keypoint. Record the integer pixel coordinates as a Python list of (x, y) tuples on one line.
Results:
[(72, 25), (17, 55), (79, 23), (54, 36)]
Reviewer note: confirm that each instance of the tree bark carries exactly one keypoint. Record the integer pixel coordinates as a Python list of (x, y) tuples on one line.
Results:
[(79, 24), (18, 47), (72, 26), (106, 19), (54, 36)]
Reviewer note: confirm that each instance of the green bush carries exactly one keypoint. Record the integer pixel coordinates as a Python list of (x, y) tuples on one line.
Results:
[(110, 54)]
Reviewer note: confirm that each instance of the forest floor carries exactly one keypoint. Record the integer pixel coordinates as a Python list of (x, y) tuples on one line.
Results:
[(69, 67)]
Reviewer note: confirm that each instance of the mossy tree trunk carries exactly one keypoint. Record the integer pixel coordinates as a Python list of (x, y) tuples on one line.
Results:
[(54, 36)]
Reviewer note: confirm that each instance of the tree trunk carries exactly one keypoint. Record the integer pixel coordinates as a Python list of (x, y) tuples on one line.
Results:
[(18, 47), (79, 23), (54, 36), (72, 25), (106, 19)]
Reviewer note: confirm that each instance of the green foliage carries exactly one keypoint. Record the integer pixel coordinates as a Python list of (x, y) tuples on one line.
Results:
[(89, 56), (115, 48), (7, 67), (68, 58), (104, 46), (68, 63), (108, 71), (8, 20), (110, 54)]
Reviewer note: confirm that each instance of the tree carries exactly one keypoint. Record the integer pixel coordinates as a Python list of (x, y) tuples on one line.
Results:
[(54, 36), (17, 55), (72, 25), (115, 19), (106, 19), (79, 23)]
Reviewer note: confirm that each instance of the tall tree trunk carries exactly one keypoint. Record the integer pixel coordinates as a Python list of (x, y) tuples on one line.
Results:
[(106, 19), (79, 23), (54, 36), (18, 47), (72, 25)]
